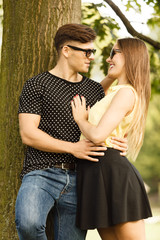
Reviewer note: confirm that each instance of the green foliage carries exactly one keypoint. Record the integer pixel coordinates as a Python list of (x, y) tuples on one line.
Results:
[(132, 4), (148, 160), (107, 32), (155, 4), (137, 7), (105, 54), (105, 28), (135, 4), (155, 21), (155, 70), (102, 25)]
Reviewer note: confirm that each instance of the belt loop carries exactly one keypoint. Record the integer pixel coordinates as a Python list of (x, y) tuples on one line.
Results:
[(63, 167)]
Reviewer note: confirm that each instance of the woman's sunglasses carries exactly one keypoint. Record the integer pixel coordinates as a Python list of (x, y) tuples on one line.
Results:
[(113, 52)]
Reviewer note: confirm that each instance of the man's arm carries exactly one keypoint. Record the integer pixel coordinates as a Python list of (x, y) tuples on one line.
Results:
[(32, 136)]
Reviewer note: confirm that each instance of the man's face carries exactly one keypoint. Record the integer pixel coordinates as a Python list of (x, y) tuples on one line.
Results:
[(77, 59)]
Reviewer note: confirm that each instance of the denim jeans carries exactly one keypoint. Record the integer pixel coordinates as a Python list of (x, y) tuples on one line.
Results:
[(39, 192)]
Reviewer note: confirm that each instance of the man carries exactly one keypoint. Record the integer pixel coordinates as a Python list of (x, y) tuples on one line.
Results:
[(48, 129)]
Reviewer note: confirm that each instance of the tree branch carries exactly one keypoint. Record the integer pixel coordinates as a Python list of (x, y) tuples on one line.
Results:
[(129, 27)]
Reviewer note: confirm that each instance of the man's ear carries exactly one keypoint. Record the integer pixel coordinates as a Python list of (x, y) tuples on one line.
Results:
[(65, 51)]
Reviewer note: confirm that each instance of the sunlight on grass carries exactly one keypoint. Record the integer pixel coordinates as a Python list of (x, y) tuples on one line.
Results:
[(153, 231)]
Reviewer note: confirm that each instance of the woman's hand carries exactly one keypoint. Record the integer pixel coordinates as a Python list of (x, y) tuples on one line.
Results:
[(79, 109), (120, 144)]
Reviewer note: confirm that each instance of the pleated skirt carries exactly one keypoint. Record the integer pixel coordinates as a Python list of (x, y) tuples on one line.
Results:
[(109, 192)]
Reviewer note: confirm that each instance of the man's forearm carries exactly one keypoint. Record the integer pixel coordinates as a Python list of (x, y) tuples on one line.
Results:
[(82, 149), (40, 140)]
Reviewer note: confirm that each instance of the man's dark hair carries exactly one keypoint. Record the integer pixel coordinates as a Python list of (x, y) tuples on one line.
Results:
[(73, 32)]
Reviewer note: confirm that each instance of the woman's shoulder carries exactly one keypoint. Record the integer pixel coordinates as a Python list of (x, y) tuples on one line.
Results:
[(124, 89), (121, 86)]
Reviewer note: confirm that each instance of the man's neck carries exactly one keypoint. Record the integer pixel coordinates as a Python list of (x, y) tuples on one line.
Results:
[(66, 74)]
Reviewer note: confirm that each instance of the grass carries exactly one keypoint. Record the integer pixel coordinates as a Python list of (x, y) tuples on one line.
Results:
[(153, 224), (153, 231)]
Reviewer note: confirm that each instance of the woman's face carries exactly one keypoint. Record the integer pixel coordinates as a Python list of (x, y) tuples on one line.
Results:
[(117, 64)]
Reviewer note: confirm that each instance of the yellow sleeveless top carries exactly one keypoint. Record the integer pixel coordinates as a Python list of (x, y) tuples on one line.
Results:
[(97, 111)]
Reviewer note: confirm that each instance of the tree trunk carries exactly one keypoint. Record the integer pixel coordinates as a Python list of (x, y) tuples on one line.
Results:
[(28, 49)]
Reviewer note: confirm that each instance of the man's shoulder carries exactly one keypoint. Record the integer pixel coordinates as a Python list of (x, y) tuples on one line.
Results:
[(93, 82), (39, 78), (41, 81), (95, 86)]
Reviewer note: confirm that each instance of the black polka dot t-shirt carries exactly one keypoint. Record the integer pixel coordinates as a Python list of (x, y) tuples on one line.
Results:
[(50, 97)]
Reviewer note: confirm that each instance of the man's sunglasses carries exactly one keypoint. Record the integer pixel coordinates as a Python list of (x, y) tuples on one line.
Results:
[(113, 52), (87, 51)]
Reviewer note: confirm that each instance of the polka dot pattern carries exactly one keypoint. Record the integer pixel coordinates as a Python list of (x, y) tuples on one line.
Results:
[(50, 97)]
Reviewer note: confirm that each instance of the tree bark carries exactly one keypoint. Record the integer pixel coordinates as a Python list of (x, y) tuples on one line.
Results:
[(28, 49), (129, 27)]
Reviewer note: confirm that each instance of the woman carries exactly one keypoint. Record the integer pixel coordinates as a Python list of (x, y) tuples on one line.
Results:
[(111, 194)]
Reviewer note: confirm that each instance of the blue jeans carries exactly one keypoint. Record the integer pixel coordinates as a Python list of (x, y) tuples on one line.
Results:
[(40, 191)]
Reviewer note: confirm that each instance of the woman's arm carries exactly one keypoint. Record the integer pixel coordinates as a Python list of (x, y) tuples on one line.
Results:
[(121, 105), (106, 83)]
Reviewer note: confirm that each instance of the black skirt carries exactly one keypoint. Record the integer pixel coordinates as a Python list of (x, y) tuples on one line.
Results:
[(110, 192)]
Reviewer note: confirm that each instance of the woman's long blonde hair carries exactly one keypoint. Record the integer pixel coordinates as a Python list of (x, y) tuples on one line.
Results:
[(137, 67)]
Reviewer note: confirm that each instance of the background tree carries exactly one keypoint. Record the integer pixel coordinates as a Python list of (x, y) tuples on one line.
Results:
[(28, 49), (127, 23)]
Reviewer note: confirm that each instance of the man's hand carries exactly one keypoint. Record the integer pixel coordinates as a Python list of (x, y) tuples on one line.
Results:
[(120, 144), (85, 149)]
